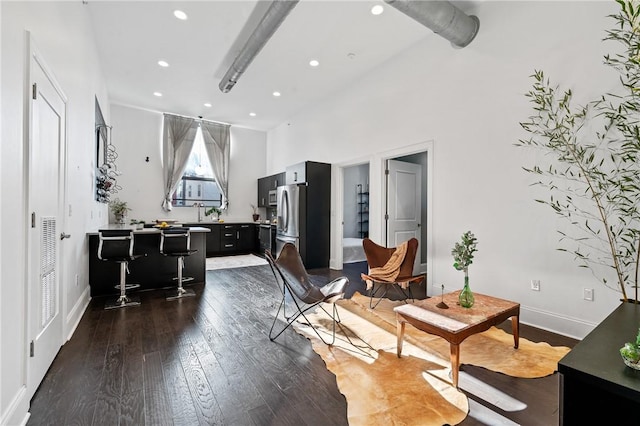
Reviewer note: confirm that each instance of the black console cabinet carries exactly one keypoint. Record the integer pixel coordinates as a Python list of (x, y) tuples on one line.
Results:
[(593, 377)]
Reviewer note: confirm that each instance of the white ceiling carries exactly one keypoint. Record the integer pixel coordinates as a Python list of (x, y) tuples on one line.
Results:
[(343, 35)]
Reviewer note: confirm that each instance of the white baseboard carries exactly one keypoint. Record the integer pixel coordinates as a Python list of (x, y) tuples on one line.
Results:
[(556, 323), (77, 311), (17, 413), (334, 265)]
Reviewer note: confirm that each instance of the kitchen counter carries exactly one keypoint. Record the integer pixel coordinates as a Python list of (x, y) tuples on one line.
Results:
[(153, 270), (152, 230)]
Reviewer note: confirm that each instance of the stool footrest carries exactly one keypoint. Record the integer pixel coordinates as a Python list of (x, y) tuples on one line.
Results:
[(127, 286), (122, 302), (181, 293), (184, 279)]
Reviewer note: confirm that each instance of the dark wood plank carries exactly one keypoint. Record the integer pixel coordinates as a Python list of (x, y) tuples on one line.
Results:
[(132, 372), (156, 400), (81, 404), (107, 407), (207, 408), (132, 409), (184, 412)]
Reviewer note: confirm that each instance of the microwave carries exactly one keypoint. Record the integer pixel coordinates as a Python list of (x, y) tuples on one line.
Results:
[(273, 197)]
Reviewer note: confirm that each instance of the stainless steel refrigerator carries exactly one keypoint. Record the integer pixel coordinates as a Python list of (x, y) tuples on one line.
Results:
[(288, 225), (304, 211)]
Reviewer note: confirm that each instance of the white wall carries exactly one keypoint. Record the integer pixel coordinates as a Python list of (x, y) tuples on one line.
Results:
[(62, 34), (469, 102), (137, 134)]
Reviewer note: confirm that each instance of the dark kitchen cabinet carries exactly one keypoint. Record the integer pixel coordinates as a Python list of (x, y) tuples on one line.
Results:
[(247, 238), (230, 238), (238, 238), (314, 211), (212, 237), (266, 184), (263, 192), (213, 240)]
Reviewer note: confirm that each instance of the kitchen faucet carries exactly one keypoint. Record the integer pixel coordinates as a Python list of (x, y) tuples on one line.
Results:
[(199, 206)]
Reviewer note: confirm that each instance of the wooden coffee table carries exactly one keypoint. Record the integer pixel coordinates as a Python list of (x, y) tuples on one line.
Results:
[(457, 323)]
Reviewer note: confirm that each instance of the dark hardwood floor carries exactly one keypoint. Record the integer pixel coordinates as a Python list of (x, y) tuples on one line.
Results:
[(208, 360)]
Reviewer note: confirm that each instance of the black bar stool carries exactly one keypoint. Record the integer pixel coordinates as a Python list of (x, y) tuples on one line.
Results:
[(116, 245), (176, 242)]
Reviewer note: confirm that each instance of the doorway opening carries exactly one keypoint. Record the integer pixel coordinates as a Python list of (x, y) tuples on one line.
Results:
[(355, 216), (344, 196), (417, 208)]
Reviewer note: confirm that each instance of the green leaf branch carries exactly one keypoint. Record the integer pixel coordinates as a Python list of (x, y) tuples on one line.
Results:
[(593, 177), (463, 252)]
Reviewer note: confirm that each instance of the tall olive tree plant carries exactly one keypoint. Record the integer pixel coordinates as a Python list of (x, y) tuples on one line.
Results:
[(593, 176)]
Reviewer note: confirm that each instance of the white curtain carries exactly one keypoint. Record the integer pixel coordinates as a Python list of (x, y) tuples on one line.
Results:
[(217, 143), (177, 142)]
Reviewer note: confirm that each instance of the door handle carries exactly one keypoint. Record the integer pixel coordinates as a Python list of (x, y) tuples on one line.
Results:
[(63, 236)]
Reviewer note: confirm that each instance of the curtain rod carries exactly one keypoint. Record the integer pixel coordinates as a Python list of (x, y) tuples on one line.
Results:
[(199, 118)]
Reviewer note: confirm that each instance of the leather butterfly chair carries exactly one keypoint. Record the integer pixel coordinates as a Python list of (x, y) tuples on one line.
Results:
[(377, 257), (294, 282)]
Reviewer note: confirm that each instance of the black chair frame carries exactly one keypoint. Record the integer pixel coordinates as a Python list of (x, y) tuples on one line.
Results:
[(384, 287), (304, 294), (116, 245), (176, 242)]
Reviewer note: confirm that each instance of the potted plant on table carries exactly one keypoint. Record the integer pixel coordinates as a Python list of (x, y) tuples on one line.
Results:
[(256, 215), (119, 210), (213, 211), (463, 257), (631, 353), (139, 224)]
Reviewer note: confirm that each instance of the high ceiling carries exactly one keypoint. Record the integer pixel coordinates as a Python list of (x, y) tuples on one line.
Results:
[(347, 40)]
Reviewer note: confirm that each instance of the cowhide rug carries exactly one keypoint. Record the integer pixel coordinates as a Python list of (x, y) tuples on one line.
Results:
[(416, 389)]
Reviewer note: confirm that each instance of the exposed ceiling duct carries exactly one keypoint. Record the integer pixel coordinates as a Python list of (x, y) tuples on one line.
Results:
[(442, 17), (273, 17)]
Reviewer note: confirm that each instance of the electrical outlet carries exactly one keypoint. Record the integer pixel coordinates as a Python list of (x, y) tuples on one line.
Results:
[(587, 294), (535, 285)]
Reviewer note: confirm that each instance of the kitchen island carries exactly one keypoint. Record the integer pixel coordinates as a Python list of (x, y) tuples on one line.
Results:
[(153, 270)]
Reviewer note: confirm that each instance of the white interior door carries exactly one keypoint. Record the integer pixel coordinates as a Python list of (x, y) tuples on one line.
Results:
[(404, 181), (45, 188)]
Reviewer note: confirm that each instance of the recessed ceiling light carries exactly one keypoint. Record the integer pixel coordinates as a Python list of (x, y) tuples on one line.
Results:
[(314, 63), (158, 94), (252, 114), (377, 9), (180, 15), (163, 63), (276, 94), (208, 105)]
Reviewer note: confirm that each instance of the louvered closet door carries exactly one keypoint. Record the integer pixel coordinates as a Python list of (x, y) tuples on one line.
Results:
[(45, 195)]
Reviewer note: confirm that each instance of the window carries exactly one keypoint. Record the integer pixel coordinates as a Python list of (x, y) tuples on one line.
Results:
[(197, 184)]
